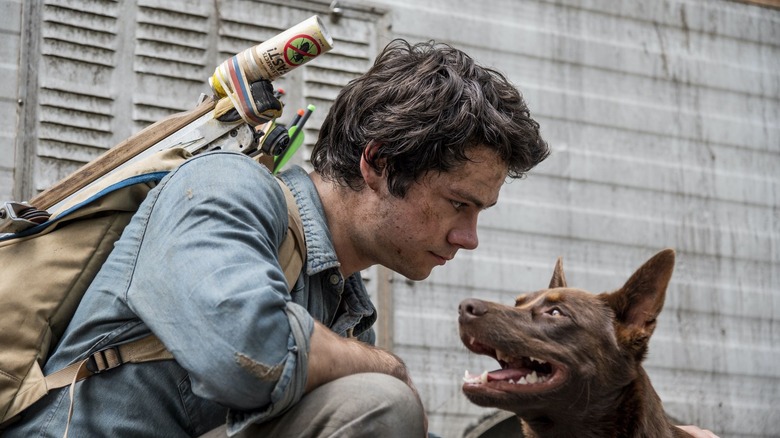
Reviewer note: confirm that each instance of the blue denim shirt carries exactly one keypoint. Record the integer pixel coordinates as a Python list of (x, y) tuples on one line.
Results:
[(198, 267)]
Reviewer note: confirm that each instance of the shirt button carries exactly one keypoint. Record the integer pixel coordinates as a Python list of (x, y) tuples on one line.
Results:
[(334, 279)]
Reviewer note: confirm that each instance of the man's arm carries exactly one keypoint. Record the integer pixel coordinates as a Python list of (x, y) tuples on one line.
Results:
[(206, 280), (332, 356)]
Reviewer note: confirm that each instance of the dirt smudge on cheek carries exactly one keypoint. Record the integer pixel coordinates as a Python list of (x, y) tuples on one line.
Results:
[(429, 212)]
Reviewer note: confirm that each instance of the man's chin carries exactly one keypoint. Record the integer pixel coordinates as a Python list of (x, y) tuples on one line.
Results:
[(415, 272), (416, 275)]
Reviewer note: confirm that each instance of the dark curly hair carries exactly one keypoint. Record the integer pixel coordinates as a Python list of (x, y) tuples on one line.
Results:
[(425, 105)]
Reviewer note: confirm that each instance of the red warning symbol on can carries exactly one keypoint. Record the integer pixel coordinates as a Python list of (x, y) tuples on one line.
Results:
[(300, 49)]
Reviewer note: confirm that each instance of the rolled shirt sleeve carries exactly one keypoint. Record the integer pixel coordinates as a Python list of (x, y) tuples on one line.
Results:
[(208, 283)]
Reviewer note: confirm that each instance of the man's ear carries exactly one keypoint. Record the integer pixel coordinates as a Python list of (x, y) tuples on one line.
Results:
[(368, 165)]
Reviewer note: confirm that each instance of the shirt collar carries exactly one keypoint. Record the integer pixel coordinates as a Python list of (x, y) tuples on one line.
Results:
[(320, 253)]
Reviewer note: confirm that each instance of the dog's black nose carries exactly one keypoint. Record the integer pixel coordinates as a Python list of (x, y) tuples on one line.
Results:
[(471, 308)]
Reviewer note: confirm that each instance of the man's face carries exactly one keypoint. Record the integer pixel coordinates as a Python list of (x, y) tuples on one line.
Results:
[(438, 215)]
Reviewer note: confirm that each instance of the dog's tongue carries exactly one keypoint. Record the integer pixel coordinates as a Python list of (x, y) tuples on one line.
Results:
[(507, 373)]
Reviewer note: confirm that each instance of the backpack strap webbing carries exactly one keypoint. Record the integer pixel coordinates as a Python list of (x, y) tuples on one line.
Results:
[(292, 251), (292, 254)]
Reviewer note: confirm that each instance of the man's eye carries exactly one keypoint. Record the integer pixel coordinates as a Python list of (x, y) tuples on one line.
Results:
[(457, 205)]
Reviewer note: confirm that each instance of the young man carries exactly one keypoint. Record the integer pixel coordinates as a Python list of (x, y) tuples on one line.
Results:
[(409, 155)]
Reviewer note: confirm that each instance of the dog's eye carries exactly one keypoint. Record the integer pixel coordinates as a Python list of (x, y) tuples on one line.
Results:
[(555, 312)]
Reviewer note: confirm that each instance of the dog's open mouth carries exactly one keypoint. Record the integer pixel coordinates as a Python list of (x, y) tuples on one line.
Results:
[(524, 373)]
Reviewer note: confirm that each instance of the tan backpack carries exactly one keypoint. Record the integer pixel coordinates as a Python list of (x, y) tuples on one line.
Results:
[(44, 272)]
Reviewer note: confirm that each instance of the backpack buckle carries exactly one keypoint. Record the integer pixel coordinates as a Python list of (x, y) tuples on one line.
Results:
[(19, 216), (104, 360)]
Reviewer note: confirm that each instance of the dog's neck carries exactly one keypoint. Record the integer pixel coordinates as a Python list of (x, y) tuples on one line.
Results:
[(632, 411)]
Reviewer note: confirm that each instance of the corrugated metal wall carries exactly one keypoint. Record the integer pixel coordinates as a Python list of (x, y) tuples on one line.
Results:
[(663, 118)]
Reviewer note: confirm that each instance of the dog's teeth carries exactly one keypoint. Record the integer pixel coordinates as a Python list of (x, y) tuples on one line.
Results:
[(511, 381), (541, 362), (522, 381), (475, 380), (533, 378)]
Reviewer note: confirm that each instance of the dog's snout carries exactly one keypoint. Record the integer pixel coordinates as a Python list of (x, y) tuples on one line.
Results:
[(471, 308)]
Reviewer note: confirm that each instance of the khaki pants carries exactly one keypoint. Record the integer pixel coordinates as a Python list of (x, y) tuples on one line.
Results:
[(362, 405)]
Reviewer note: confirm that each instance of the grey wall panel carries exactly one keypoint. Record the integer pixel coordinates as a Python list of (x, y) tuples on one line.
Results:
[(105, 70), (75, 104), (10, 33), (663, 119)]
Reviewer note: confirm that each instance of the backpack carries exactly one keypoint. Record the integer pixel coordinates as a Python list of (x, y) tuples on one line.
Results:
[(45, 270)]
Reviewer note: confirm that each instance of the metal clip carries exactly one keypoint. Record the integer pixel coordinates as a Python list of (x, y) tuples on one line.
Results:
[(19, 216), (239, 139)]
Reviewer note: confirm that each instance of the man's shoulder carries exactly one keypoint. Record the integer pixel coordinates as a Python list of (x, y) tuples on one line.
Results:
[(228, 170), (224, 162), (223, 180)]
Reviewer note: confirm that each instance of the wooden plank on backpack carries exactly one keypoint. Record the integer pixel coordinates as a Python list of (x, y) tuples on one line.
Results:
[(119, 154)]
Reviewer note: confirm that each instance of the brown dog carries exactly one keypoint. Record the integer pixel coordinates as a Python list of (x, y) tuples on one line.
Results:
[(571, 361)]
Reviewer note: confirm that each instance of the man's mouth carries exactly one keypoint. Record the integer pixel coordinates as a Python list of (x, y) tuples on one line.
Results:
[(523, 373), (441, 259)]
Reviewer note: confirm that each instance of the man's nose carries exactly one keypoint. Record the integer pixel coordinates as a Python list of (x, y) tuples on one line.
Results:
[(465, 236)]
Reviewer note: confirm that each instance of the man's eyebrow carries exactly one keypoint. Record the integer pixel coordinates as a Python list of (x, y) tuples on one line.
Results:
[(473, 200)]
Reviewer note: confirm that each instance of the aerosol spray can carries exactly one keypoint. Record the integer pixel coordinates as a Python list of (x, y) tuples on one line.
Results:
[(275, 57)]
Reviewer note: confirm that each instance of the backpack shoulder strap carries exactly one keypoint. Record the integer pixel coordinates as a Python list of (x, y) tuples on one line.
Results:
[(292, 251), (292, 256)]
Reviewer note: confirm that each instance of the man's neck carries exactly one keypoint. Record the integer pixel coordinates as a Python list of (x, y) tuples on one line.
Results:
[(343, 215)]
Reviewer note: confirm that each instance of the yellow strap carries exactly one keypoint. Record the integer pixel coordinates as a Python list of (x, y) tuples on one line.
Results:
[(292, 253), (71, 394), (147, 349), (291, 256), (143, 350)]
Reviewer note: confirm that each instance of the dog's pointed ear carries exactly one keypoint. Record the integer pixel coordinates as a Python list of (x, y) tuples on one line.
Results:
[(639, 302), (558, 279)]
